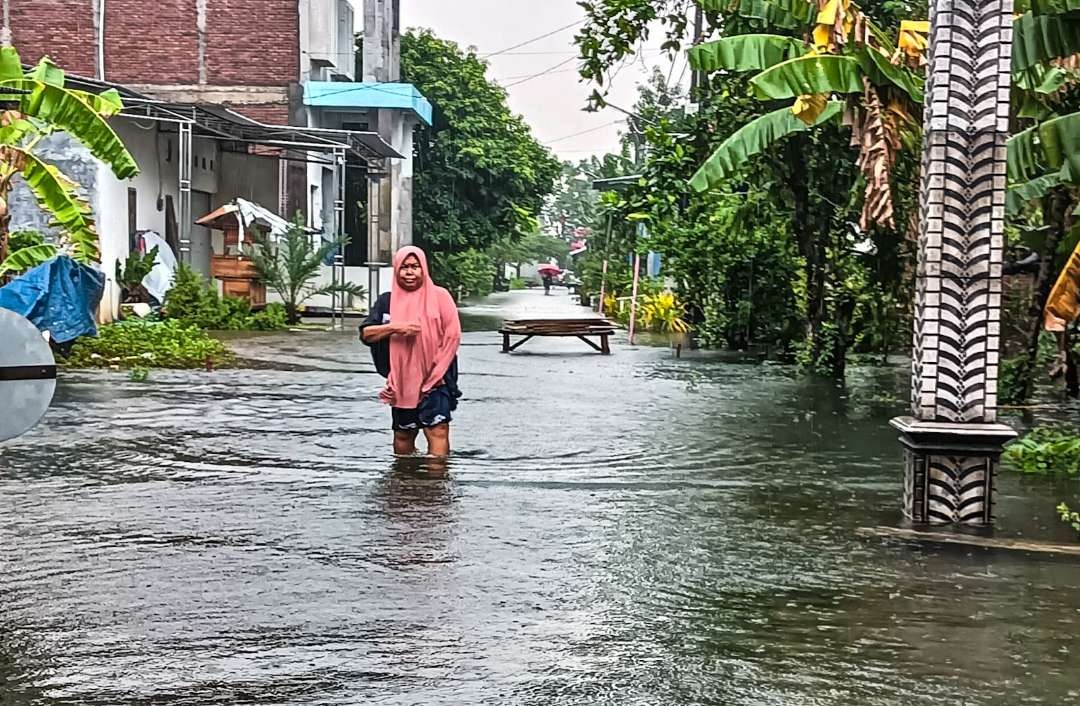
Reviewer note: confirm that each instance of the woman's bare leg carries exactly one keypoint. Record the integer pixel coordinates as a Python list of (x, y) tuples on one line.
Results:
[(405, 442), (438, 439)]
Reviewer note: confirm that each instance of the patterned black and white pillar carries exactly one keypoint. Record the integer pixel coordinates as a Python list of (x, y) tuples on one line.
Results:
[(952, 442)]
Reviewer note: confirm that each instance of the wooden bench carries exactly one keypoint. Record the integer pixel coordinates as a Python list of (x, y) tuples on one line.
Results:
[(584, 329)]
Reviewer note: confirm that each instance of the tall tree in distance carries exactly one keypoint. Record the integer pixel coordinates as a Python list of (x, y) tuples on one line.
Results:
[(481, 175)]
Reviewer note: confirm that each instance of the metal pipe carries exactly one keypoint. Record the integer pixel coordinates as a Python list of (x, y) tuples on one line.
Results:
[(5, 32), (101, 40)]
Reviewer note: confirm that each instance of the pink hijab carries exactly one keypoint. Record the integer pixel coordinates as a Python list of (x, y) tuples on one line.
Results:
[(419, 364)]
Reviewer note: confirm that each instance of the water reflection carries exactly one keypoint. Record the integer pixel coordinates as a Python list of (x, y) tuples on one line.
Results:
[(645, 531)]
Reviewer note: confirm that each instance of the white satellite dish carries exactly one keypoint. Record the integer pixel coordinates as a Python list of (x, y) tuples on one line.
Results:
[(27, 375)]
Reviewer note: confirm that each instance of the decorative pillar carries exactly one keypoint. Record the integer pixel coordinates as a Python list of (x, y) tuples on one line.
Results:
[(953, 442)]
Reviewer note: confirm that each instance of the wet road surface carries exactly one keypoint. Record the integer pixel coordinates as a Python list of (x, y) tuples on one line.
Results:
[(624, 530)]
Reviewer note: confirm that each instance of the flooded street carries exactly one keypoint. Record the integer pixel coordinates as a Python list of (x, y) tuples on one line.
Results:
[(626, 530)]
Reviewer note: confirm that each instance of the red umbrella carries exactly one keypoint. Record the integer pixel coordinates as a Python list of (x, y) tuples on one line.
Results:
[(553, 269)]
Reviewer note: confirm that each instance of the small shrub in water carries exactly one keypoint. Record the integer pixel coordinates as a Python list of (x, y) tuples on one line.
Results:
[(1045, 451), (1072, 519), (139, 374), (149, 344), (192, 300)]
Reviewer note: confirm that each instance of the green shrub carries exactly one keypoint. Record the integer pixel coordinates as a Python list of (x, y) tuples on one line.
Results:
[(1069, 517), (272, 318), (518, 283), (470, 273), (149, 344), (1045, 451), (193, 300)]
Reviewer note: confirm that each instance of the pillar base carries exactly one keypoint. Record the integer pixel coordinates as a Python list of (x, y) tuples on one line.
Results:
[(949, 470)]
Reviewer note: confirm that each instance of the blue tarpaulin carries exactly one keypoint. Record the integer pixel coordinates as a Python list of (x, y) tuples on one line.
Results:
[(59, 296)]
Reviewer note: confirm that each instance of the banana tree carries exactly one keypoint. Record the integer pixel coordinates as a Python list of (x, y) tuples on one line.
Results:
[(838, 65), (34, 105)]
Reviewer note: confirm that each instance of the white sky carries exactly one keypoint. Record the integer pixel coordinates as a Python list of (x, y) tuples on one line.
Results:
[(551, 103)]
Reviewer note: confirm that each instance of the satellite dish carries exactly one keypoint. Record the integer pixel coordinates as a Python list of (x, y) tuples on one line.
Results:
[(27, 375)]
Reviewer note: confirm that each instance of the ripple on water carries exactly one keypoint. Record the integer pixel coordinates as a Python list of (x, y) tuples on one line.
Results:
[(625, 530)]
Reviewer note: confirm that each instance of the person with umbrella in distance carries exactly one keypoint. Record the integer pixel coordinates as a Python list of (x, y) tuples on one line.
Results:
[(548, 273)]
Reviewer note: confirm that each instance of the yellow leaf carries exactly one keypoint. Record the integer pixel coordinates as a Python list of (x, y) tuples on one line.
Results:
[(913, 37), (1063, 305), (827, 15), (809, 108), (822, 38)]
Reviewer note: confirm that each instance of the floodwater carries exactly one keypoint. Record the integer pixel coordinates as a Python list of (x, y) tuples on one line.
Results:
[(625, 530)]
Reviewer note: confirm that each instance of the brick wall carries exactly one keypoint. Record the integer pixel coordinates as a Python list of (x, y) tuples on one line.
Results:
[(151, 41), (156, 42), (253, 42), (268, 113), (60, 29)]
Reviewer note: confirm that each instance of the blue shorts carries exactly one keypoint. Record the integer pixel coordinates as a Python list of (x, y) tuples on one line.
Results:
[(434, 410)]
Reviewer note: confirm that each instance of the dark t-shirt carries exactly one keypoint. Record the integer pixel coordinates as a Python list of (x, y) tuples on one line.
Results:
[(380, 350)]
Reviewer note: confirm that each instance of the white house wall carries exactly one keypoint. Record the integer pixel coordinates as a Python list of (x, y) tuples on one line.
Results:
[(156, 154)]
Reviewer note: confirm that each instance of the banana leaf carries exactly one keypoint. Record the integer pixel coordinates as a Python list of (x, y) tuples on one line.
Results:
[(752, 139), (1041, 79), (1040, 38), (1047, 7), (764, 12), (27, 258), (809, 74), (880, 70), (10, 63), (48, 72), (745, 52), (1052, 146), (1017, 196), (65, 110), (59, 197)]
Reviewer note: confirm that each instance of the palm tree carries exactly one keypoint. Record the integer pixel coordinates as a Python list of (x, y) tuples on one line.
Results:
[(290, 265), (33, 106)]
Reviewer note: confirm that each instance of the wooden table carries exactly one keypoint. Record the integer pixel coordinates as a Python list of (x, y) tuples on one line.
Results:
[(584, 329)]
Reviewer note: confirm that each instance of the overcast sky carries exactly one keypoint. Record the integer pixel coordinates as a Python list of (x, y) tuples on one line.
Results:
[(551, 103)]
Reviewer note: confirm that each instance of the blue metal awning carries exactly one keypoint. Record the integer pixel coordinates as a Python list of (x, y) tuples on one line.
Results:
[(344, 95)]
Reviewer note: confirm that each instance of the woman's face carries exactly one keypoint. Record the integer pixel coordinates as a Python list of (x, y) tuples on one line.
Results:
[(410, 275)]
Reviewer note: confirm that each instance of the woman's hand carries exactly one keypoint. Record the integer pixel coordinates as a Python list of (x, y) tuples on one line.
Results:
[(408, 329)]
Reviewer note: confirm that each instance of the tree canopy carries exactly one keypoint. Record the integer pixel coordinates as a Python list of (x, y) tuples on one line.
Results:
[(481, 175)]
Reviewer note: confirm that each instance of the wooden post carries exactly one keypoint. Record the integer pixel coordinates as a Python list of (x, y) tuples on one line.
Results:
[(603, 283), (633, 295)]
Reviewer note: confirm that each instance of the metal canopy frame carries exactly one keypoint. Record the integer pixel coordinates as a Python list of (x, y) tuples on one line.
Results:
[(344, 149)]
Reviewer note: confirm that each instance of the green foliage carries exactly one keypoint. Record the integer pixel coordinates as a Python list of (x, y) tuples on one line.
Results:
[(139, 374), (149, 344), (131, 274), (1045, 451), (193, 301), (44, 107), (1069, 516), (751, 140), (518, 283), (291, 265), (465, 274), (25, 239), (478, 168)]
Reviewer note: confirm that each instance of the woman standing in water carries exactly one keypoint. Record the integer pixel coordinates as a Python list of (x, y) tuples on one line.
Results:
[(414, 334)]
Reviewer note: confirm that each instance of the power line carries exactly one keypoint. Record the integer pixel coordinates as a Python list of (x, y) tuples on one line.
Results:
[(511, 78), (533, 40), (584, 132), (545, 72)]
